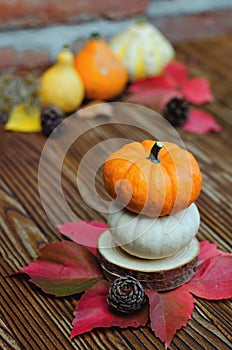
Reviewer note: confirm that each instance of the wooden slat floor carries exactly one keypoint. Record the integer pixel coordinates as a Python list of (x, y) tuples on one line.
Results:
[(31, 320)]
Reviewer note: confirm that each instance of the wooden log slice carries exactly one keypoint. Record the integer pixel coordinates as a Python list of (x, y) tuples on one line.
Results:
[(163, 274)]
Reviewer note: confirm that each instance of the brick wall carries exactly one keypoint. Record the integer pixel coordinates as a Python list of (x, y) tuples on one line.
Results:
[(34, 13), (33, 31)]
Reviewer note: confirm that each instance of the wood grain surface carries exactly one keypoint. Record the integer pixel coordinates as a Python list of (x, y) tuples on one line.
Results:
[(31, 320)]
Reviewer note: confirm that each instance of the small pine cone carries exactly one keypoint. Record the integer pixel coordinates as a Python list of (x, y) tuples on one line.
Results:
[(176, 111), (51, 117), (126, 295)]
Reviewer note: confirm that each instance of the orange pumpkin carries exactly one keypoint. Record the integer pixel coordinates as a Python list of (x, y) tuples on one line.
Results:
[(153, 178), (103, 74)]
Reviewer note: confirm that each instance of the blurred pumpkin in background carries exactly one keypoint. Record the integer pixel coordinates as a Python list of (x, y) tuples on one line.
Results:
[(143, 49), (61, 85), (103, 74)]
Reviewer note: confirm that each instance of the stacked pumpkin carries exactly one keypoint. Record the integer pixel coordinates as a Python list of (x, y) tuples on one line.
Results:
[(152, 234)]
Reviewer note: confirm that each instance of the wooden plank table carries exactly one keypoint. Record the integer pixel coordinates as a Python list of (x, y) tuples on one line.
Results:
[(32, 320)]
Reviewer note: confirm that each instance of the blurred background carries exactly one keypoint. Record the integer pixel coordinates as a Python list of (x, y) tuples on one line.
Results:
[(32, 32)]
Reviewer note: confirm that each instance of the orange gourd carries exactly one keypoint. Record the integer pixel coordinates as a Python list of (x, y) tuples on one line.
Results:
[(103, 74), (153, 178)]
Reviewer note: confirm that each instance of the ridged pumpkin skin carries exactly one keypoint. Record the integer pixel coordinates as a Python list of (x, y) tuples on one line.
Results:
[(149, 188), (155, 238), (143, 49), (103, 74)]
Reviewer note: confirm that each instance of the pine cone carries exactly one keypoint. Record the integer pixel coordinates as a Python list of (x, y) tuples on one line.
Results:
[(126, 295), (176, 111), (51, 117)]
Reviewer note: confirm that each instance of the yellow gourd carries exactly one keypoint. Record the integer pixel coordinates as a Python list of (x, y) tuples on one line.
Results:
[(61, 85), (143, 50)]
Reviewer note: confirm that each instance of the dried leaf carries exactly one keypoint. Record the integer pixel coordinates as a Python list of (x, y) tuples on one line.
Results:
[(84, 233), (213, 278), (169, 311), (197, 91), (64, 268), (200, 122), (92, 311)]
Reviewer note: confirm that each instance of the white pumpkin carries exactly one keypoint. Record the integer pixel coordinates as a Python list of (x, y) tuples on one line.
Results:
[(143, 50), (154, 238)]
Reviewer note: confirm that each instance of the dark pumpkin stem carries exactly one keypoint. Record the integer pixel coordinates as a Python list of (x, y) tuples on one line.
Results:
[(155, 151), (66, 46), (95, 35), (141, 19)]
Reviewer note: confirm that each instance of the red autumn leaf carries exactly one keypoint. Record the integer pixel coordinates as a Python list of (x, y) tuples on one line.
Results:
[(84, 233), (157, 91), (176, 72), (166, 96), (197, 91), (169, 311), (200, 122), (209, 250), (64, 268), (92, 312), (160, 82), (213, 278), (153, 97)]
